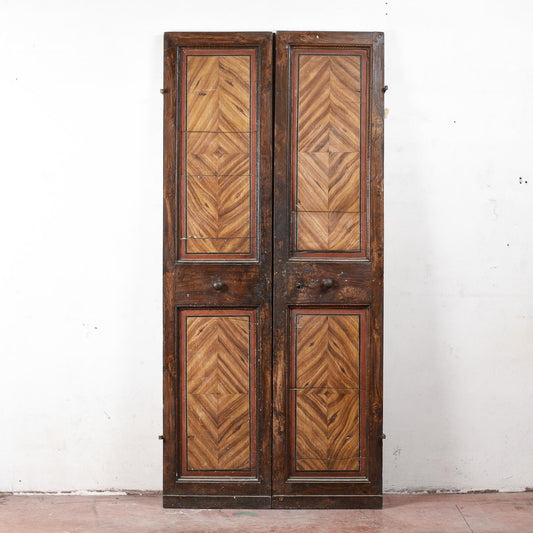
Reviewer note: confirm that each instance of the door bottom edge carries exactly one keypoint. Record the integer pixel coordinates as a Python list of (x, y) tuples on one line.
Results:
[(215, 502), (171, 501), (362, 501)]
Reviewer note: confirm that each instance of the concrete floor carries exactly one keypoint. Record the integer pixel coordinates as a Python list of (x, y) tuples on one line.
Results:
[(502, 513)]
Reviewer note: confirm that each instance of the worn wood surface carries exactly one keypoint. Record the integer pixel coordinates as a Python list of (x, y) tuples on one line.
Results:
[(282, 405), (217, 269), (327, 165), (327, 502)]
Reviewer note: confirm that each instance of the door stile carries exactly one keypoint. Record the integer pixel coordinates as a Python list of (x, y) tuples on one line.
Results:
[(376, 169)]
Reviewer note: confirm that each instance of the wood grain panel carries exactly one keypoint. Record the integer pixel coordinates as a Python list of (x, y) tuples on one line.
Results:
[(328, 181), (327, 351), (327, 429), (326, 231), (218, 154), (328, 103), (327, 148), (218, 93), (325, 391), (218, 352), (218, 214), (218, 140)]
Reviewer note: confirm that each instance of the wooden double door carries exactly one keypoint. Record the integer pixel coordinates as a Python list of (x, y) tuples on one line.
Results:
[(273, 268)]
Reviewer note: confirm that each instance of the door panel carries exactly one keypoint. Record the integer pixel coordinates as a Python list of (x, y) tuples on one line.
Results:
[(328, 97), (218, 388), (325, 400), (218, 146), (217, 270), (328, 270)]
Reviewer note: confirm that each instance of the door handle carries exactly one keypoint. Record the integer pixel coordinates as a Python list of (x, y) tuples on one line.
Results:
[(327, 283), (218, 285)]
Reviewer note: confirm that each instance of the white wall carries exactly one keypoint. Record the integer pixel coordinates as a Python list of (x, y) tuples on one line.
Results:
[(81, 214)]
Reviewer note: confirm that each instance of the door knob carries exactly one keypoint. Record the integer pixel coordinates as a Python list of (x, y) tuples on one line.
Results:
[(327, 283), (218, 285)]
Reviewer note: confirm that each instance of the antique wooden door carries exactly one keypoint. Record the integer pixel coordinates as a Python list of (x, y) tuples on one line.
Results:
[(217, 270), (273, 406), (328, 270)]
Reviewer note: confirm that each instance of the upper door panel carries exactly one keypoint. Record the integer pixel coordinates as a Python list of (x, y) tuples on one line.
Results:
[(328, 145), (218, 143)]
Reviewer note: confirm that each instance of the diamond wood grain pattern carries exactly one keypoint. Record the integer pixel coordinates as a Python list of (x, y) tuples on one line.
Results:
[(328, 202), (326, 389), (218, 154), (218, 139), (218, 430)]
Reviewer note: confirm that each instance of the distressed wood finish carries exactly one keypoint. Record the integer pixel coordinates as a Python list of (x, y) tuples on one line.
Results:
[(273, 320), (328, 270), (217, 269), (326, 114)]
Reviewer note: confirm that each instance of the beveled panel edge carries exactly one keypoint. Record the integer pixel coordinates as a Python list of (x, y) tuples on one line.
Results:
[(332, 479), (216, 479)]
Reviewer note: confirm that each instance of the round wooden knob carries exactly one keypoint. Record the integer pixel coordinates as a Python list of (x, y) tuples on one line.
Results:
[(327, 283)]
